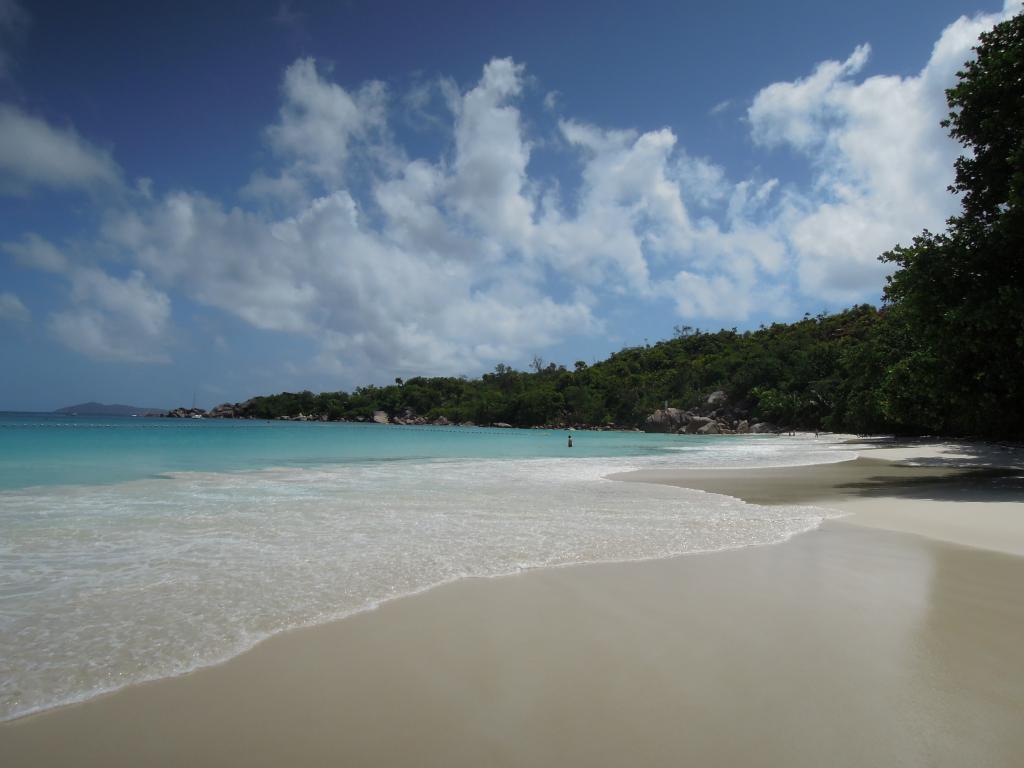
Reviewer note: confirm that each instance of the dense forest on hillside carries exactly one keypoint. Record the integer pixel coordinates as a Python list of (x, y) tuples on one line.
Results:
[(806, 374), (944, 354)]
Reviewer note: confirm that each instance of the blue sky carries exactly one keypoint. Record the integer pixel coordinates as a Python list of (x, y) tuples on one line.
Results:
[(242, 198)]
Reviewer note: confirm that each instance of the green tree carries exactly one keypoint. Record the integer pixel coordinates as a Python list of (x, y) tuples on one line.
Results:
[(958, 297)]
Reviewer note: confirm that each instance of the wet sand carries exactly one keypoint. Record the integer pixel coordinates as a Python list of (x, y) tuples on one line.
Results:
[(845, 646)]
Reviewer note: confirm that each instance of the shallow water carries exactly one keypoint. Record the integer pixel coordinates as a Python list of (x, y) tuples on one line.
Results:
[(132, 549)]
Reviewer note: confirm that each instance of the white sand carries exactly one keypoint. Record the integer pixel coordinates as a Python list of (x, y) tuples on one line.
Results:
[(988, 515), (959, 492)]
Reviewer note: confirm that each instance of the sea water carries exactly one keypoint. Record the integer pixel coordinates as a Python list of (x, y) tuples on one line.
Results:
[(138, 548)]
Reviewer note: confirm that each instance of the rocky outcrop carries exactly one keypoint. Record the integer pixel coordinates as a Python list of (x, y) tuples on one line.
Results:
[(186, 413), (380, 417), (222, 411), (667, 420), (694, 424), (300, 416), (225, 411), (409, 418), (716, 415)]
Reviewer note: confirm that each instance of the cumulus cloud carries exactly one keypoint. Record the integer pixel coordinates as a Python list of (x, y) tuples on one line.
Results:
[(35, 154), (108, 317), (372, 301), (396, 264), (37, 253), (880, 159), (230, 259), (491, 156), (626, 204), (115, 319), (12, 308), (635, 227), (437, 280), (319, 120), (797, 113), (702, 182)]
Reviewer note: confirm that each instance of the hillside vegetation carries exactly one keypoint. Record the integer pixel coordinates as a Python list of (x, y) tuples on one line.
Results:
[(808, 374)]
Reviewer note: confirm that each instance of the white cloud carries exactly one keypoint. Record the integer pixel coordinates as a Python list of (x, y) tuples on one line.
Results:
[(452, 263), (230, 259), (633, 227), (34, 153), (284, 188), (37, 253), (319, 120), (488, 185), (701, 181), (476, 220), (880, 159), (797, 113), (371, 298), (439, 283), (720, 107), (421, 108), (116, 319), (451, 269), (626, 206), (12, 309), (713, 297), (108, 318), (418, 221)]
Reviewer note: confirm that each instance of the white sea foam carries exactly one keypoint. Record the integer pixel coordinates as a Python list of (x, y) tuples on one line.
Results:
[(104, 586)]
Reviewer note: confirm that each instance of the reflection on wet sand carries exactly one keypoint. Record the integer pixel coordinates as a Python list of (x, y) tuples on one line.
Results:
[(846, 646)]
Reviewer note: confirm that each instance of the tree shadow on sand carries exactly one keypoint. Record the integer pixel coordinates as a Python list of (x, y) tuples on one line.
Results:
[(992, 484)]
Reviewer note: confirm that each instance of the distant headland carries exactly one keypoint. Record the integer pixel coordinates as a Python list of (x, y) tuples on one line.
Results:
[(101, 409)]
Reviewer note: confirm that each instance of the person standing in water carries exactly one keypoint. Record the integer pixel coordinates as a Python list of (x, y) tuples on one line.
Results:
[(570, 441)]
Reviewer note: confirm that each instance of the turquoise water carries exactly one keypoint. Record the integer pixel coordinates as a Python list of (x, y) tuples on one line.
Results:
[(134, 549), (54, 449)]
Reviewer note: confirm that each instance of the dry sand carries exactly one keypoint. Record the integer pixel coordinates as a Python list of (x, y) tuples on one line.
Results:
[(846, 646)]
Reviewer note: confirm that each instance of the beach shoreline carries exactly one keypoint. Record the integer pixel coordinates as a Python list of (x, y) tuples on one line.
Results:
[(958, 492), (847, 645)]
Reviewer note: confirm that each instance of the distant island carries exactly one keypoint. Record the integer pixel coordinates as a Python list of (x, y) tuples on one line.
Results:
[(101, 409)]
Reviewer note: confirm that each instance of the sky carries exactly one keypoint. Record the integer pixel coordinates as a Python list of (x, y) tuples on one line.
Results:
[(228, 199)]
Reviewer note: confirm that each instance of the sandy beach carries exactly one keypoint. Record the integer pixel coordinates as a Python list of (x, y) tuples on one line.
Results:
[(891, 637), (964, 493)]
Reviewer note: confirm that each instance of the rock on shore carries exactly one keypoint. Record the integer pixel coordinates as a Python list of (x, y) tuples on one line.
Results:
[(715, 416)]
